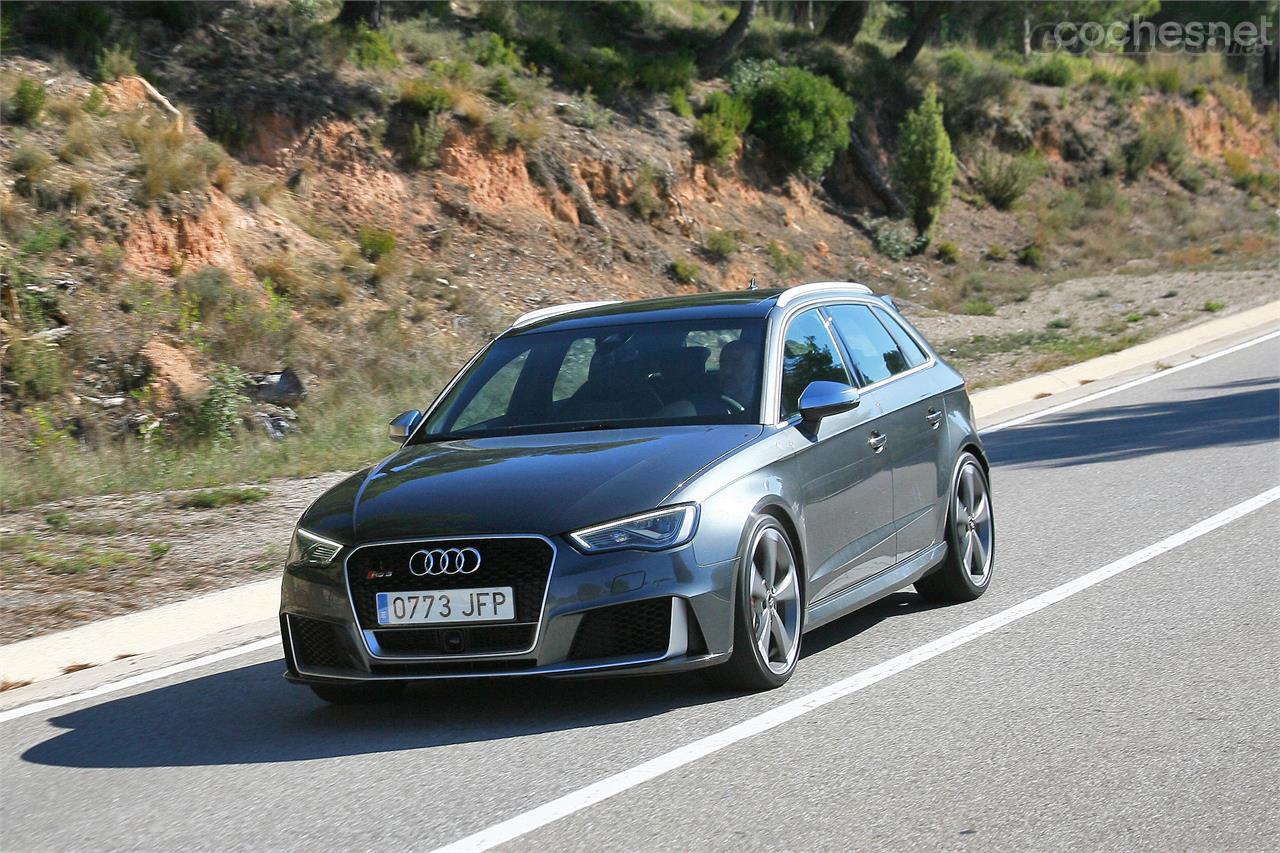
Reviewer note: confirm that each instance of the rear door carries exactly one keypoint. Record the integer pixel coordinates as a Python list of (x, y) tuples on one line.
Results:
[(895, 367), (847, 484)]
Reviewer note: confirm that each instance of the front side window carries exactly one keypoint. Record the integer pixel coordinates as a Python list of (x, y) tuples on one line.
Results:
[(808, 355), (875, 354), (638, 374)]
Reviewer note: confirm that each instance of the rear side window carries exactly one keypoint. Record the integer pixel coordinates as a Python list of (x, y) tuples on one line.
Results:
[(809, 355), (911, 350), (875, 354)]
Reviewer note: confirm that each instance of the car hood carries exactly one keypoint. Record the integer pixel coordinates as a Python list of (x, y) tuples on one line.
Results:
[(548, 484)]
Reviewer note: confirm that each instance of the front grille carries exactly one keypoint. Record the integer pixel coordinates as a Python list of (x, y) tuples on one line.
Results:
[(491, 639), (635, 628), (318, 643), (522, 563)]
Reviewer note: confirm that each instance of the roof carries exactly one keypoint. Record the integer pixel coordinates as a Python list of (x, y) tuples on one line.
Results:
[(735, 304)]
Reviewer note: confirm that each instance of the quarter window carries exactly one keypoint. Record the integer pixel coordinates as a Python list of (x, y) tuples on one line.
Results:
[(809, 355), (911, 350), (875, 354), (493, 398)]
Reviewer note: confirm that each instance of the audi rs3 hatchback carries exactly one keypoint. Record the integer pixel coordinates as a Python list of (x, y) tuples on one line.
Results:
[(647, 487)]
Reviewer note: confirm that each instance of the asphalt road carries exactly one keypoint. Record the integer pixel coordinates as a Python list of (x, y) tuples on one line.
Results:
[(1140, 712)]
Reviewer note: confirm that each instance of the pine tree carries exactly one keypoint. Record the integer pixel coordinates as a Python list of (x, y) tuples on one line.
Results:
[(925, 164)]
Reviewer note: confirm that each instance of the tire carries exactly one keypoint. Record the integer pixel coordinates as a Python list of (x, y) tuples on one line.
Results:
[(765, 594), (358, 694), (966, 572)]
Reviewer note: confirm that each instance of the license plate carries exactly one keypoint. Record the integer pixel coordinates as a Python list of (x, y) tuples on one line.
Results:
[(443, 606)]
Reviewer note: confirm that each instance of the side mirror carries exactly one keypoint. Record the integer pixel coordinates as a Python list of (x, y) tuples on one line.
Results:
[(403, 425), (821, 399)]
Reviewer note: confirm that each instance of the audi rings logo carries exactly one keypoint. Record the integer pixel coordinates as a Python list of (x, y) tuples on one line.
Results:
[(444, 561)]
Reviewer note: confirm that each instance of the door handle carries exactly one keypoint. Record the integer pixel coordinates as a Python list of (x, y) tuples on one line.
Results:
[(877, 441), (934, 417)]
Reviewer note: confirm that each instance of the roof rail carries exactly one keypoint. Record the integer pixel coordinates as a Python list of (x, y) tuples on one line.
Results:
[(818, 287), (556, 310), (814, 288)]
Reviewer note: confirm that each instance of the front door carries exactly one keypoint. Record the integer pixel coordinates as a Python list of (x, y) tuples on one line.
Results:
[(844, 468), (886, 358)]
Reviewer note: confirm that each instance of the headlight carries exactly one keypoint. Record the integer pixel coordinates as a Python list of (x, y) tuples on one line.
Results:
[(311, 550), (651, 531)]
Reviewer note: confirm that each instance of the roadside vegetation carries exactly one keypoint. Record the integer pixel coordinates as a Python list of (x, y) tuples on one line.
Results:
[(204, 195)]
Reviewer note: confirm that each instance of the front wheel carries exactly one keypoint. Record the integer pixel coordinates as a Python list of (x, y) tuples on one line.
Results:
[(965, 574), (358, 694), (768, 612)]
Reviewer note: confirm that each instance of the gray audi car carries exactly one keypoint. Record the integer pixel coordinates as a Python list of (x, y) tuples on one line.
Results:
[(647, 487)]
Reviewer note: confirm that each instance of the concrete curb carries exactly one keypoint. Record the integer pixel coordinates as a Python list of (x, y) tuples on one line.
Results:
[(140, 633), (185, 622), (990, 401)]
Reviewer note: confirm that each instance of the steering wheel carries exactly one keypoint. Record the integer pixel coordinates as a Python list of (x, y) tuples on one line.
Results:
[(734, 406)]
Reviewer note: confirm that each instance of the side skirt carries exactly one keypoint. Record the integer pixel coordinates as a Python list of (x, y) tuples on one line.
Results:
[(874, 588)]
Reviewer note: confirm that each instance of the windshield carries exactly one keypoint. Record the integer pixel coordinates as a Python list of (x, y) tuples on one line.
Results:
[(643, 374)]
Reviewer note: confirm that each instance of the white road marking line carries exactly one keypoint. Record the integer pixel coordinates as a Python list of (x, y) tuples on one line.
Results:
[(135, 680), (527, 822), (227, 654), (1125, 386)]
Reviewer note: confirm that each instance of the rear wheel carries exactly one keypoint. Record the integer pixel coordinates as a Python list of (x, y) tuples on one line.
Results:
[(358, 694), (965, 574), (768, 612)]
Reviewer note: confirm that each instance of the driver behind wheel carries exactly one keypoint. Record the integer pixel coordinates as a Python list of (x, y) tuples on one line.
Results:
[(737, 372)]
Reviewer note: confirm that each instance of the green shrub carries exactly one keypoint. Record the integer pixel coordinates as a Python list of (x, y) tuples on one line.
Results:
[(1190, 178), (36, 369), (115, 62), (1054, 71), (1239, 168), (948, 252), (1213, 306), (95, 103), (1162, 139), (680, 102), (1168, 79), (28, 101), (644, 195), (491, 49), (685, 272), (968, 90), (1104, 194), (996, 253), (217, 418), (1199, 93), (719, 129), (892, 238), (371, 50), (31, 165), (802, 118), (664, 73), (424, 98), (503, 90), (978, 308), (1003, 179), (50, 236), (925, 165), (376, 243), (422, 149), (207, 288), (1031, 256), (784, 260), (720, 244)]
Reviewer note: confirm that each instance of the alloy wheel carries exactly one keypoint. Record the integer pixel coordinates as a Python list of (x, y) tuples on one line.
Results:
[(775, 600), (973, 523)]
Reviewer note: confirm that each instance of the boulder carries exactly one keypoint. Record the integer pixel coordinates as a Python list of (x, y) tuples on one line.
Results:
[(285, 388)]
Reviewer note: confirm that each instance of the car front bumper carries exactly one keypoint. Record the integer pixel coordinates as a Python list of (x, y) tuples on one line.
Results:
[(666, 613)]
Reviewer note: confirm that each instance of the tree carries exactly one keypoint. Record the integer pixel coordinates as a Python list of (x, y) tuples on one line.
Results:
[(718, 53), (926, 20), (925, 166), (846, 21), (356, 12)]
